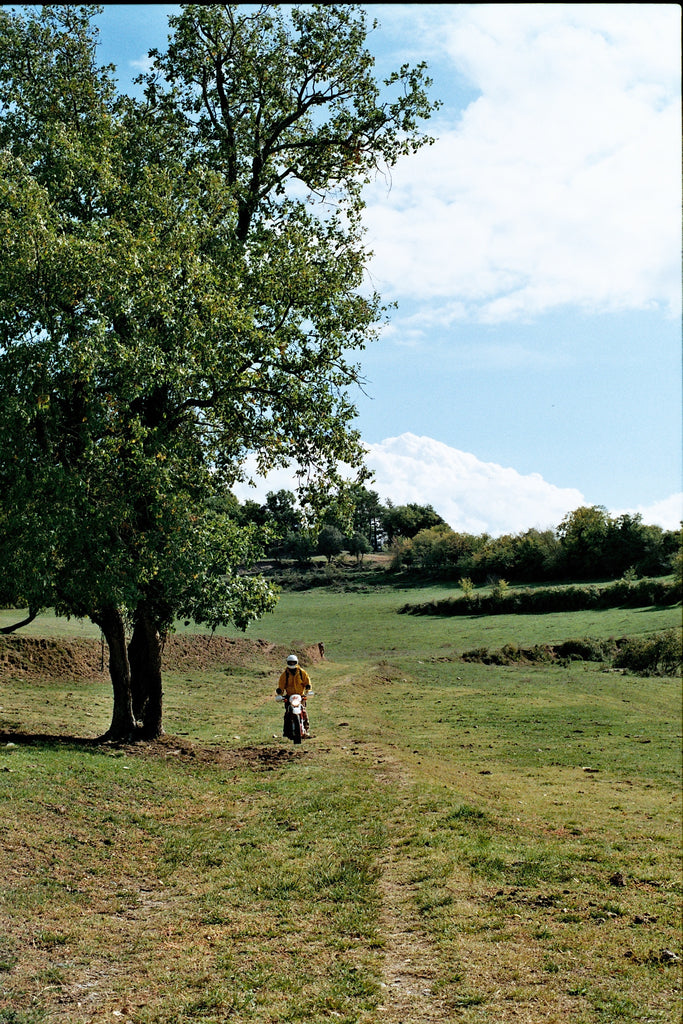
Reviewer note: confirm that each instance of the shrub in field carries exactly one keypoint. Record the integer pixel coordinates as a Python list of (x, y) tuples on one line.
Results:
[(587, 649), (512, 654), (299, 547), (660, 654), (476, 654), (500, 590), (677, 566), (401, 553)]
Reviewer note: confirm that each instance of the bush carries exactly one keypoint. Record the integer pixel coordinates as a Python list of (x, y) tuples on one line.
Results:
[(586, 649), (677, 567), (401, 553), (477, 654), (660, 654)]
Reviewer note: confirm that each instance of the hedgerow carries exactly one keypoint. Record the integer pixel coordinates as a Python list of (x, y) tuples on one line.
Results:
[(539, 600)]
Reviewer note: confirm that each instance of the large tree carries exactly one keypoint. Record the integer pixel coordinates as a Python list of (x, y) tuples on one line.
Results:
[(583, 536), (408, 520), (181, 284), (367, 515)]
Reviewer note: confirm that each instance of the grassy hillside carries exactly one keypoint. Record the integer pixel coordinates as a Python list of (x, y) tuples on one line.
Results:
[(456, 843), (366, 625)]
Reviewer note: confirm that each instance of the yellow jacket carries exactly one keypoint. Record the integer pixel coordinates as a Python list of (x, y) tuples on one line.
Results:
[(294, 680)]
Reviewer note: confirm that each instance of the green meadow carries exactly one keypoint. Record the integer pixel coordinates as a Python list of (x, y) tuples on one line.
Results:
[(457, 842)]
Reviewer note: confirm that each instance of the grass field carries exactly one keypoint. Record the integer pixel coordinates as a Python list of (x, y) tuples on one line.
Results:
[(456, 843)]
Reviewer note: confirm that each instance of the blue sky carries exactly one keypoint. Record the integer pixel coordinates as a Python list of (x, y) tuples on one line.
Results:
[(534, 361)]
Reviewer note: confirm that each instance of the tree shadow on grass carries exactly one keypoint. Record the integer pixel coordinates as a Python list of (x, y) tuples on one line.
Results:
[(265, 757), (20, 738)]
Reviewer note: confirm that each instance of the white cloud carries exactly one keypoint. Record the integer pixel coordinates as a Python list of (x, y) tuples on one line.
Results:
[(560, 184), (472, 496), (667, 513), (142, 65)]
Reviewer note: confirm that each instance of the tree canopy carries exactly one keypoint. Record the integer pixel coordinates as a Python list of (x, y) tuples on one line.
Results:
[(408, 520), (182, 284)]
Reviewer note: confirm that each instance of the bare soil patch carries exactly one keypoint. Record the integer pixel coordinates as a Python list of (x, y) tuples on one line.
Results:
[(41, 657), (256, 758), (410, 961), (263, 758)]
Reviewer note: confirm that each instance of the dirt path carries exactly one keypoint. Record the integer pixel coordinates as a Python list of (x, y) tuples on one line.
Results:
[(410, 970), (408, 987)]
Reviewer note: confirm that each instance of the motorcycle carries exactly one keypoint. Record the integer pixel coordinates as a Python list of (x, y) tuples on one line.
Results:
[(294, 726)]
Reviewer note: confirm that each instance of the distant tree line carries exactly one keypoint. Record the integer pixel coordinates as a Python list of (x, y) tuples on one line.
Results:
[(587, 544), (358, 524)]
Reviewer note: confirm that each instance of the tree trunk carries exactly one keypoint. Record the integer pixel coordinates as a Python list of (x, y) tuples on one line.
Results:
[(122, 725), (136, 657), (144, 654)]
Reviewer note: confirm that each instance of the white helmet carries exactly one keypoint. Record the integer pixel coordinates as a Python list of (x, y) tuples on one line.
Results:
[(292, 661)]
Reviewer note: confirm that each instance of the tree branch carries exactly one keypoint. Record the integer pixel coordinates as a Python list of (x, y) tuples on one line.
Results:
[(24, 622)]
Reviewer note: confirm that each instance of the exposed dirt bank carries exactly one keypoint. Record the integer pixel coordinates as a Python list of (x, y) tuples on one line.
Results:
[(38, 657)]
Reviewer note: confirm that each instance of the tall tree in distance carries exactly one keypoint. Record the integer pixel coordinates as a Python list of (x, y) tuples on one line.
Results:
[(181, 284), (408, 520)]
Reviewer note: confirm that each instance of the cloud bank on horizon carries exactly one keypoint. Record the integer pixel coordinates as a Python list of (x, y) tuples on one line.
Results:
[(514, 210), (472, 496)]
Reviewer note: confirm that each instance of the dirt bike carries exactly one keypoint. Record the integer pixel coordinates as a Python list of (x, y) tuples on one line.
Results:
[(293, 728)]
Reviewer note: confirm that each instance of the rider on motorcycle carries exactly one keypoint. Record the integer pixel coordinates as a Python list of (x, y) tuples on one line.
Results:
[(295, 679)]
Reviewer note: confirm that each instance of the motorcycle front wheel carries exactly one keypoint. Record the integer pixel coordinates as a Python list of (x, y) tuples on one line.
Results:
[(296, 729)]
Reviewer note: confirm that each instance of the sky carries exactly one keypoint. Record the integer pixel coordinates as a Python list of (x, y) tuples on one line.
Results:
[(533, 361)]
